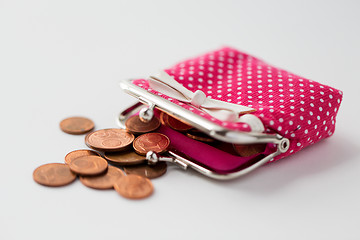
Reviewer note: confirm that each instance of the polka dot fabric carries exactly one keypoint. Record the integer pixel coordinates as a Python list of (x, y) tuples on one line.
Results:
[(302, 110)]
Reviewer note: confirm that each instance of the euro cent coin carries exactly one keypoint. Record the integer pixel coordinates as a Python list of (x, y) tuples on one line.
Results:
[(176, 124), (124, 158), (76, 125), (156, 142), (88, 165), (134, 187), (54, 175), (145, 170), (249, 150), (136, 126), (199, 136), (104, 181), (79, 153), (109, 140)]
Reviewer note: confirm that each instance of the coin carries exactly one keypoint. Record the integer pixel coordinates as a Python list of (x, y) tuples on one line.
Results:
[(79, 153), (136, 126), (249, 150), (76, 125), (54, 175), (200, 136), (124, 158), (149, 171), (104, 181), (163, 118), (155, 142), (134, 187), (88, 165), (174, 123), (109, 140)]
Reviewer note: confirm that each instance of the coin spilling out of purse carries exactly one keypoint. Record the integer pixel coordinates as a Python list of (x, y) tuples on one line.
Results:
[(125, 151)]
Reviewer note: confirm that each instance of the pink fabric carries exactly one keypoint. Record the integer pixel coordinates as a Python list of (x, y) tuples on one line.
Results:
[(295, 107), (213, 158)]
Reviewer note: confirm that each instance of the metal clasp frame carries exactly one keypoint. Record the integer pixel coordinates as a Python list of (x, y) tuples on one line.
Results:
[(202, 124)]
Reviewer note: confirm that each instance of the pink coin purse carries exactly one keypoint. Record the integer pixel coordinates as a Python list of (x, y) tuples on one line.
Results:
[(234, 98)]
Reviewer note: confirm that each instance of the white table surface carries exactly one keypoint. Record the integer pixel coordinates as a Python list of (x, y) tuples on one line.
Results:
[(65, 58)]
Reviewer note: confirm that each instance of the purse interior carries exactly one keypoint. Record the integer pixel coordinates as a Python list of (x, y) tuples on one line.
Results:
[(219, 157)]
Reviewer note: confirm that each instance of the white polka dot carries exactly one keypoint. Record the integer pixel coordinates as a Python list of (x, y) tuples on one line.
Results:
[(291, 122)]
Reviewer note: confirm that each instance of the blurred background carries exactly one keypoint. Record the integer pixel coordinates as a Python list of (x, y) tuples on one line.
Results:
[(65, 58)]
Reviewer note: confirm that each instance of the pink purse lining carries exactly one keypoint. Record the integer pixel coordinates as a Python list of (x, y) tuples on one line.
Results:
[(209, 156)]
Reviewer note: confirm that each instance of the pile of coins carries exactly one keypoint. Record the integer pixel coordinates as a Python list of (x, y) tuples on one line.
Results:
[(118, 147), (126, 151)]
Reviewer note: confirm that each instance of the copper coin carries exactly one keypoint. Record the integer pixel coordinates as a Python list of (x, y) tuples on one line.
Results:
[(136, 126), (177, 124), (76, 125), (79, 153), (109, 140), (200, 136), (124, 158), (88, 165), (54, 175), (163, 118), (249, 150), (149, 171), (134, 187), (104, 181), (155, 142)]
